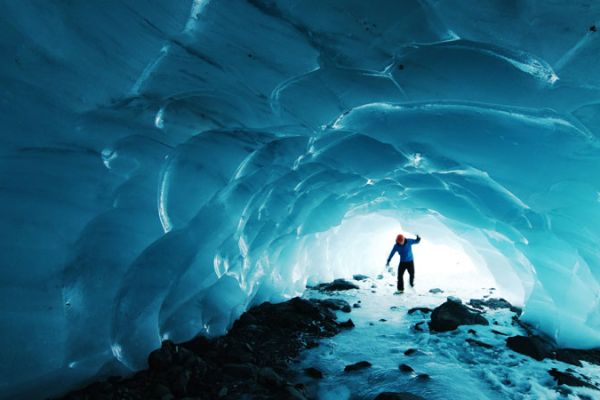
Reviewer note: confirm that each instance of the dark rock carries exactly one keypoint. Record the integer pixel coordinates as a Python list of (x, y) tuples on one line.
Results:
[(494, 304), (424, 310), (472, 332), (417, 326), (423, 377), (245, 363), (159, 391), (436, 290), (357, 366), (410, 352), (539, 348), (336, 285), (398, 396), (476, 303), (573, 356), (405, 368), (566, 378), (336, 304), (359, 277), (499, 333), (293, 393), (346, 324), (161, 359), (268, 377), (394, 308), (240, 370), (533, 346), (451, 315), (356, 305), (179, 378), (305, 307), (237, 352), (200, 344), (479, 343), (382, 320), (313, 373), (593, 28)]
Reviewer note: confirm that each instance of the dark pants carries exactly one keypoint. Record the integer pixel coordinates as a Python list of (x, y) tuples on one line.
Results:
[(406, 266)]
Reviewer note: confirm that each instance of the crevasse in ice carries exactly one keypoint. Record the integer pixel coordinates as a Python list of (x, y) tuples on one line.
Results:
[(167, 165)]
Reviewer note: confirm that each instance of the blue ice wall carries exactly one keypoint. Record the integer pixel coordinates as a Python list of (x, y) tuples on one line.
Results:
[(165, 165)]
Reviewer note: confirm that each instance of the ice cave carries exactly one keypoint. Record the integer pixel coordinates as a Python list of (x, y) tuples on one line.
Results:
[(168, 165)]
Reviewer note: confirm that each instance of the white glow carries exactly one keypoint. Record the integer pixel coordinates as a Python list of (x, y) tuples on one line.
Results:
[(442, 259)]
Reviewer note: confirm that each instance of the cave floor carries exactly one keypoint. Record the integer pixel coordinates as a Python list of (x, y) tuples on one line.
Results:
[(445, 365)]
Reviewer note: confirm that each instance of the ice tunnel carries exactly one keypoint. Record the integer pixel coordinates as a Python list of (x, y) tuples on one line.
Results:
[(167, 165)]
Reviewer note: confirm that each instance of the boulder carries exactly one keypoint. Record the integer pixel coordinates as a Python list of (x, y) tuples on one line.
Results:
[(575, 356), (566, 378), (452, 314), (359, 277), (533, 346), (436, 290)]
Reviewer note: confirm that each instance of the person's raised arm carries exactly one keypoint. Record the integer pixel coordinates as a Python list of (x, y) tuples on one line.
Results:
[(418, 239)]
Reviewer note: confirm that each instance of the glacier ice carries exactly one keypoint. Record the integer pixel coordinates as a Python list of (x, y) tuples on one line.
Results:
[(166, 166)]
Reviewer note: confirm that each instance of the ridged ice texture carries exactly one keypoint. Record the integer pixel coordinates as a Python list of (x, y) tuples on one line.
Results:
[(166, 165)]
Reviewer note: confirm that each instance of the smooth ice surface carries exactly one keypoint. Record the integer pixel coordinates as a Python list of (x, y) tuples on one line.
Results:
[(166, 165)]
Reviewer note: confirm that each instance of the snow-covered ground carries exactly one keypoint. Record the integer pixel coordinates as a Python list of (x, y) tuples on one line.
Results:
[(456, 368)]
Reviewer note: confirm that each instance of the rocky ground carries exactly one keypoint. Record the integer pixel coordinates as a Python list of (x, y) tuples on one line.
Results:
[(249, 362), (253, 360)]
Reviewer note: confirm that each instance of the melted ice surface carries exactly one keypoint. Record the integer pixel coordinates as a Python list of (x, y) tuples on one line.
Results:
[(456, 368)]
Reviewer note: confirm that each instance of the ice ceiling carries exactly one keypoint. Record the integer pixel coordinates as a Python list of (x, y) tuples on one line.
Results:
[(166, 165)]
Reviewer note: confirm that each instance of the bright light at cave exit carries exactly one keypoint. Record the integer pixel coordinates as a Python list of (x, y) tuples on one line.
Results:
[(442, 259)]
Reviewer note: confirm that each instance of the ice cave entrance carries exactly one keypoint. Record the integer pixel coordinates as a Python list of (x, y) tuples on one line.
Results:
[(462, 264)]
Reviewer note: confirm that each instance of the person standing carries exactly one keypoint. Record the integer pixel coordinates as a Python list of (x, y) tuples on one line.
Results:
[(404, 248)]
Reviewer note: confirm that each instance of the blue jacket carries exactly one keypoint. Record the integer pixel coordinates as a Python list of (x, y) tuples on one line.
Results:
[(404, 250)]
